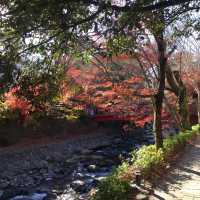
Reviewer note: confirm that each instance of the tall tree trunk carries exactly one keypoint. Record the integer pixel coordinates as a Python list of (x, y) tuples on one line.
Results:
[(179, 89), (198, 104), (157, 126), (159, 97), (183, 109)]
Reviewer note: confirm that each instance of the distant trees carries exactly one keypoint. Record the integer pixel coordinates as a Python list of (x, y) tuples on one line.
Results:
[(51, 29)]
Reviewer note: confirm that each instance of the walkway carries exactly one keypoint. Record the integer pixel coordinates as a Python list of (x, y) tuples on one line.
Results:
[(183, 182)]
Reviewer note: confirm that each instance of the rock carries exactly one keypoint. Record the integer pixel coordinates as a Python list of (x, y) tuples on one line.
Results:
[(86, 151), (68, 194), (92, 175), (96, 157), (98, 174), (107, 163), (77, 184), (117, 141), (89, 181), (49, 179), (34, 196), (67, 197), (151, 141), (21, 197), (57, 170), (38, 196), (92, 168), (101, 178), (141, 196), (1, 193), (137, 146), (79, 175), (4, 184)]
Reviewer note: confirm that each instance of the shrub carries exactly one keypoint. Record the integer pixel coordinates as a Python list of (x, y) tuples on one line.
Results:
[(113, 188), (172, 143), (76, 114), (7, 114), (149, 157), (125, 171), (196, 128), (169, 145)]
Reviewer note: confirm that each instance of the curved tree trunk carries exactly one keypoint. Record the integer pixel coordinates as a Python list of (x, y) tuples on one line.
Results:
[(179, 90)]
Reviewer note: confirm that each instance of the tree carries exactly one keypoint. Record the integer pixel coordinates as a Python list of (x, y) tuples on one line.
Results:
[(58, 27), (40, 84)]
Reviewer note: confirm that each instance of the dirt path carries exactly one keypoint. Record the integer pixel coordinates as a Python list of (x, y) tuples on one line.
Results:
[(183, 182)]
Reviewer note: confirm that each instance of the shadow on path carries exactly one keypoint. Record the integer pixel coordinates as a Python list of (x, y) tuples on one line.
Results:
[(183, 180)]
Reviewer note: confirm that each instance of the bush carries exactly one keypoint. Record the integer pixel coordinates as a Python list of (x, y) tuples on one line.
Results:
[(149, 157), (76, 114), (7, 114), (171, 144), (125, 171), (113, 188), (196, 128)]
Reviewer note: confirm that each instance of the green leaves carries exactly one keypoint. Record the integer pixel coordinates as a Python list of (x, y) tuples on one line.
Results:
[(149, 157), (113, 188), (39, 84)]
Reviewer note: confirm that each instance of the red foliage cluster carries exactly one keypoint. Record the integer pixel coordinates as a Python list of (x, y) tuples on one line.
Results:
[(16, 103)]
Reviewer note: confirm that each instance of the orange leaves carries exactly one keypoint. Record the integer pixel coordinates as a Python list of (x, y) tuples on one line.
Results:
[(135, 80), (147, 92), (16, 103)]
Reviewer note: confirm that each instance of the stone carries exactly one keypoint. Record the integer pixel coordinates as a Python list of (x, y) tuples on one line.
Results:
[(137, 146), (34, 196), (141, 196), (79, 186), (96, 157), (117, 141), (1, 193), (98, 174), (67, 197), (21, 197), (4, 184), (92, 168), (89, 181), (86, 151), (78, 183), (38, 196), (79, 175), (101, 178)]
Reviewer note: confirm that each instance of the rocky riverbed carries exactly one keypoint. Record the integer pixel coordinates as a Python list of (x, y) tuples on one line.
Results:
[(68, 170)]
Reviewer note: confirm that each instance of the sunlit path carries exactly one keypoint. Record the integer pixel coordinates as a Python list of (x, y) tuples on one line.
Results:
[(183, 182)]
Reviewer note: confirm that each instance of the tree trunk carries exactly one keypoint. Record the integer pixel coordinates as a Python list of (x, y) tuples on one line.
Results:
[(159, 97), (183, 109), (157, 126), (179, 90), (198, 105)]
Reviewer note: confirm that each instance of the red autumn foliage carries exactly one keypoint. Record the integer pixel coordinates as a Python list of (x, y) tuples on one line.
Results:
[(16, 103)]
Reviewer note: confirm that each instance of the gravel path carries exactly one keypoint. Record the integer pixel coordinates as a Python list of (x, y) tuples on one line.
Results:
[(183, 182)]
